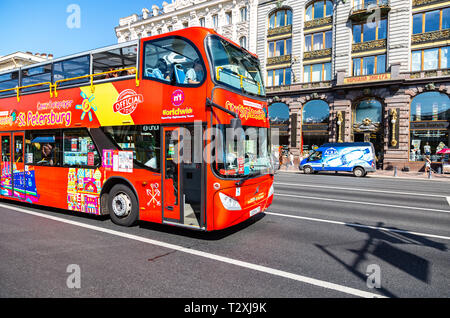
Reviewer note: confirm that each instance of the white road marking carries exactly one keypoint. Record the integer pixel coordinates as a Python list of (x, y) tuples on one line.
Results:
[(448, 200), (386, 229), (363, 203), (361, 190), (256, 267)]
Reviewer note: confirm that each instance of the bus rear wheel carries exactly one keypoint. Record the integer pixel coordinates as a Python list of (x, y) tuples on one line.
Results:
[(123, 206)]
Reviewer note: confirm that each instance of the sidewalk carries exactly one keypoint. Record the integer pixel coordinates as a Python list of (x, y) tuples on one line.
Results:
[(384, 174)]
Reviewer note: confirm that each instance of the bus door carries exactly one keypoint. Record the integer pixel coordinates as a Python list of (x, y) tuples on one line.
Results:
[(18, 166), (182, 173), (171, 176), (5, 179)]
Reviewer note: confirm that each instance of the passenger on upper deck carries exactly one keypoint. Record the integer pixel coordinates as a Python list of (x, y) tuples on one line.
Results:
[(195, 74)]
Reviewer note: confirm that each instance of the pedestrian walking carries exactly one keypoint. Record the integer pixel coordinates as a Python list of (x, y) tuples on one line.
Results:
[(291, 159)]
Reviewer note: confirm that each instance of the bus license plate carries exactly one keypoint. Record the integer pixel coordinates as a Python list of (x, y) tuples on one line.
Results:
[(255, 211)]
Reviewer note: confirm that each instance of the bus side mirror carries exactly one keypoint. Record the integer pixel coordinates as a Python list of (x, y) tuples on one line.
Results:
[(236, 123)]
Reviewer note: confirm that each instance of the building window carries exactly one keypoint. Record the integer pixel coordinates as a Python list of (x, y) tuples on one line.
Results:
[(429, 128), (368, 109), (229, 17), (243, 42), (318, 41), (185, 25), (430, 59), (243, 14), (170, 28), (317, 72), (280, 18), (215, 20), (369, 65), (280, 48), (319, 9), (431, 21), (279, 77), (369, 31), (202, 22)]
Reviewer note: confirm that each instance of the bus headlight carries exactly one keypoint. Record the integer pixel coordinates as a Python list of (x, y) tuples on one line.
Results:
[(271, 191), (229, 203)]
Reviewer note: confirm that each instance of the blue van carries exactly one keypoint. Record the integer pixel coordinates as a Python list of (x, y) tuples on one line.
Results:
[(355, 157)]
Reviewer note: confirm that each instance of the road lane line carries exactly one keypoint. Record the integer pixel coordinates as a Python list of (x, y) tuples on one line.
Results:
[(256, 267), (363, 203), (361, 190), (448, 200), (386, 229)]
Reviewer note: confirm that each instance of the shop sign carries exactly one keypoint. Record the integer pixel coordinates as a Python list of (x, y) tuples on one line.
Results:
[(367, 78)]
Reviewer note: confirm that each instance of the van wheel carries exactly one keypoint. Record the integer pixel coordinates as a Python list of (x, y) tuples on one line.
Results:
[(123, 206), (308, 170), (359, 172)]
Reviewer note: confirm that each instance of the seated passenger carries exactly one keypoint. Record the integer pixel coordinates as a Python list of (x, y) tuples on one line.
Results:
[(194, 75)]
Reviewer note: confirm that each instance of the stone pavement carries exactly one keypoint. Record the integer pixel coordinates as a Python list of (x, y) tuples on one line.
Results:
[(385, 174)]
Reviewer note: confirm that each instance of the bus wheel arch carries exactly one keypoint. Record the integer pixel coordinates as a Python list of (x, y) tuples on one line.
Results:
[(117, 190)]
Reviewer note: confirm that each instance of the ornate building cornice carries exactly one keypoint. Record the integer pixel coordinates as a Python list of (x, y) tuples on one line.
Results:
[(430, 36), (369, 46), (318, 22), (312, 55), (279, 60)]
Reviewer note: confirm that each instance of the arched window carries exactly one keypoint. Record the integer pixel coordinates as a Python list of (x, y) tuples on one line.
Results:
[(319, 9), (316, 112), (279, 119), (429, 126), (368, 109), (280, 18), (315, 118)]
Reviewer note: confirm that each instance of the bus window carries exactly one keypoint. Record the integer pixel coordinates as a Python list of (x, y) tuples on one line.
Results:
[(7, 81), (36, 75), (44, 148), (173, 60), (79, 149), (143, 140), (115, 59), (76, 67)]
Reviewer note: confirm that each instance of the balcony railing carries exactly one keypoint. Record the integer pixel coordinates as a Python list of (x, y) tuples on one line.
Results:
[(360, 11)]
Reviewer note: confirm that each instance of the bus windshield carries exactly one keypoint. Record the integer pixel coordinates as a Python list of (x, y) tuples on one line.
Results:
[(235, 67), (244, 156)]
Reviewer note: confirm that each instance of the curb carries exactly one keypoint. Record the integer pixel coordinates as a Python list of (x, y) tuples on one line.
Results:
[(445, 179)]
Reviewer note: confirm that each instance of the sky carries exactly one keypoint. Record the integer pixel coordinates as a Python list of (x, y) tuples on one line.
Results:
[(40, 26)]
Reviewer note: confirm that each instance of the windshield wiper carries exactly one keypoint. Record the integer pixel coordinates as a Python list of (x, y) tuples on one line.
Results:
[(240, 182)]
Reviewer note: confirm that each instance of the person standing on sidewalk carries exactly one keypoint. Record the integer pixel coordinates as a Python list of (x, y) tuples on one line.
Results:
[(427, 164), (291, 159)]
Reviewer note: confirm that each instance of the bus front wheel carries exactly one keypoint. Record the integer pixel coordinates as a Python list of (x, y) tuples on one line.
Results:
[(123, 205)]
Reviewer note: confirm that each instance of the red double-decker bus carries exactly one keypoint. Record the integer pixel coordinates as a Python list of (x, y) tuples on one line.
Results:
[(136, 131)]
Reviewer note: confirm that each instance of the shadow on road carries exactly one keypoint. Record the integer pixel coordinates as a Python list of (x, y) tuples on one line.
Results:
[(380, 244)]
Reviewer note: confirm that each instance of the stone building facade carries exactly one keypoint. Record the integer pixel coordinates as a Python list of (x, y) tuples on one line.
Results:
[(235, 19), (360, 70)]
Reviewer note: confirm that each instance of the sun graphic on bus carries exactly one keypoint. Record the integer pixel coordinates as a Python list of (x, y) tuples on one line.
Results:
[(86, 106)]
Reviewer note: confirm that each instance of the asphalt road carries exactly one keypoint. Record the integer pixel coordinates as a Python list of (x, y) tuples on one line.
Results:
[(322, 237)]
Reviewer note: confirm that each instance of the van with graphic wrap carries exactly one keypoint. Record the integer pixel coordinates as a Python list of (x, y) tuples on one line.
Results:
[(355, 157)]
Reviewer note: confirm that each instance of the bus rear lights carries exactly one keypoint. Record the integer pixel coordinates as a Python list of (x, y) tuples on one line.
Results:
[(229, 203)]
